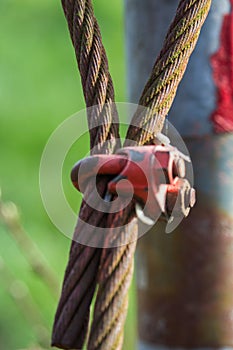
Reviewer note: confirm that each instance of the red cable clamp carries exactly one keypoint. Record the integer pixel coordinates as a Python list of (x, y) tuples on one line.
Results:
[(155, 173)]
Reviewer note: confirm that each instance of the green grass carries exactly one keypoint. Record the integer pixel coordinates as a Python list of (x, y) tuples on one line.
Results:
[(39, 88)]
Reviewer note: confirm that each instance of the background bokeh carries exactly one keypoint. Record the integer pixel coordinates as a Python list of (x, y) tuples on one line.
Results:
[(39, 88)]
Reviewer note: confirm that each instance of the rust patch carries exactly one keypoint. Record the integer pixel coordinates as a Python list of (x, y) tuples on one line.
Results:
[(188, 299), (222, 65)]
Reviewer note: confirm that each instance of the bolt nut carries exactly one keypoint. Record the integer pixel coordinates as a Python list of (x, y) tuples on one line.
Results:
[(180, 197)]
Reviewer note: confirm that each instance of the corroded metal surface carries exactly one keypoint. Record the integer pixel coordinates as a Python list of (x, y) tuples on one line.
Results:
[(186, 279)]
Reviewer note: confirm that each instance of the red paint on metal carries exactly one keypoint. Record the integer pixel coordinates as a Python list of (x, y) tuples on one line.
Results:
[(152, 172), (222, 64)]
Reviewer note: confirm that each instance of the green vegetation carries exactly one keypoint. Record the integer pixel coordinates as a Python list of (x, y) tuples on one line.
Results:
[(39, 88)]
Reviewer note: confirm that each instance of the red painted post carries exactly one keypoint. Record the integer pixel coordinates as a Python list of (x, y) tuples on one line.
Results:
[(185, 279)]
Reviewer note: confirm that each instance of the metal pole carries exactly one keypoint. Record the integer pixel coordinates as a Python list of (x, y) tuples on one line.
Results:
[(185, 280)]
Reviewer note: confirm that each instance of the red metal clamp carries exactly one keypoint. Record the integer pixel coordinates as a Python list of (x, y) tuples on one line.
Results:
[(156, 173)]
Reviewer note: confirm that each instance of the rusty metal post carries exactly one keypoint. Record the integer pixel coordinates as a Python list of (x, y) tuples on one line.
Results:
[(185, 279)]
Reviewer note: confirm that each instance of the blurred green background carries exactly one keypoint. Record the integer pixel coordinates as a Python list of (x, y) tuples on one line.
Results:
[(39, 88)]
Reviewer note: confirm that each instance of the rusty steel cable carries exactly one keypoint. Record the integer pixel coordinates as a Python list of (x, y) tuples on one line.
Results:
[(114, 282), (80, 281), (96, 80), (168, 70), (72, 316)]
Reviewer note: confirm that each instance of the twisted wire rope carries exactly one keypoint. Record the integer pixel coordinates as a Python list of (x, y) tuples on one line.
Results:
[(116, 264)]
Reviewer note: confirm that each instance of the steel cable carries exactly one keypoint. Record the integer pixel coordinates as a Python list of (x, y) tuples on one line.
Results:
[(116, 271)]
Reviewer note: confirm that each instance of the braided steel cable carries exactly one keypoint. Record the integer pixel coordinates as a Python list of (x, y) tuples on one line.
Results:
[(72, 316), (96, 80), (115, 277), (168, 70), (114, 282)]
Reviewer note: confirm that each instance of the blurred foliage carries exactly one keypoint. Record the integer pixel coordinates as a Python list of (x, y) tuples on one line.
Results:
[(39, 88)]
